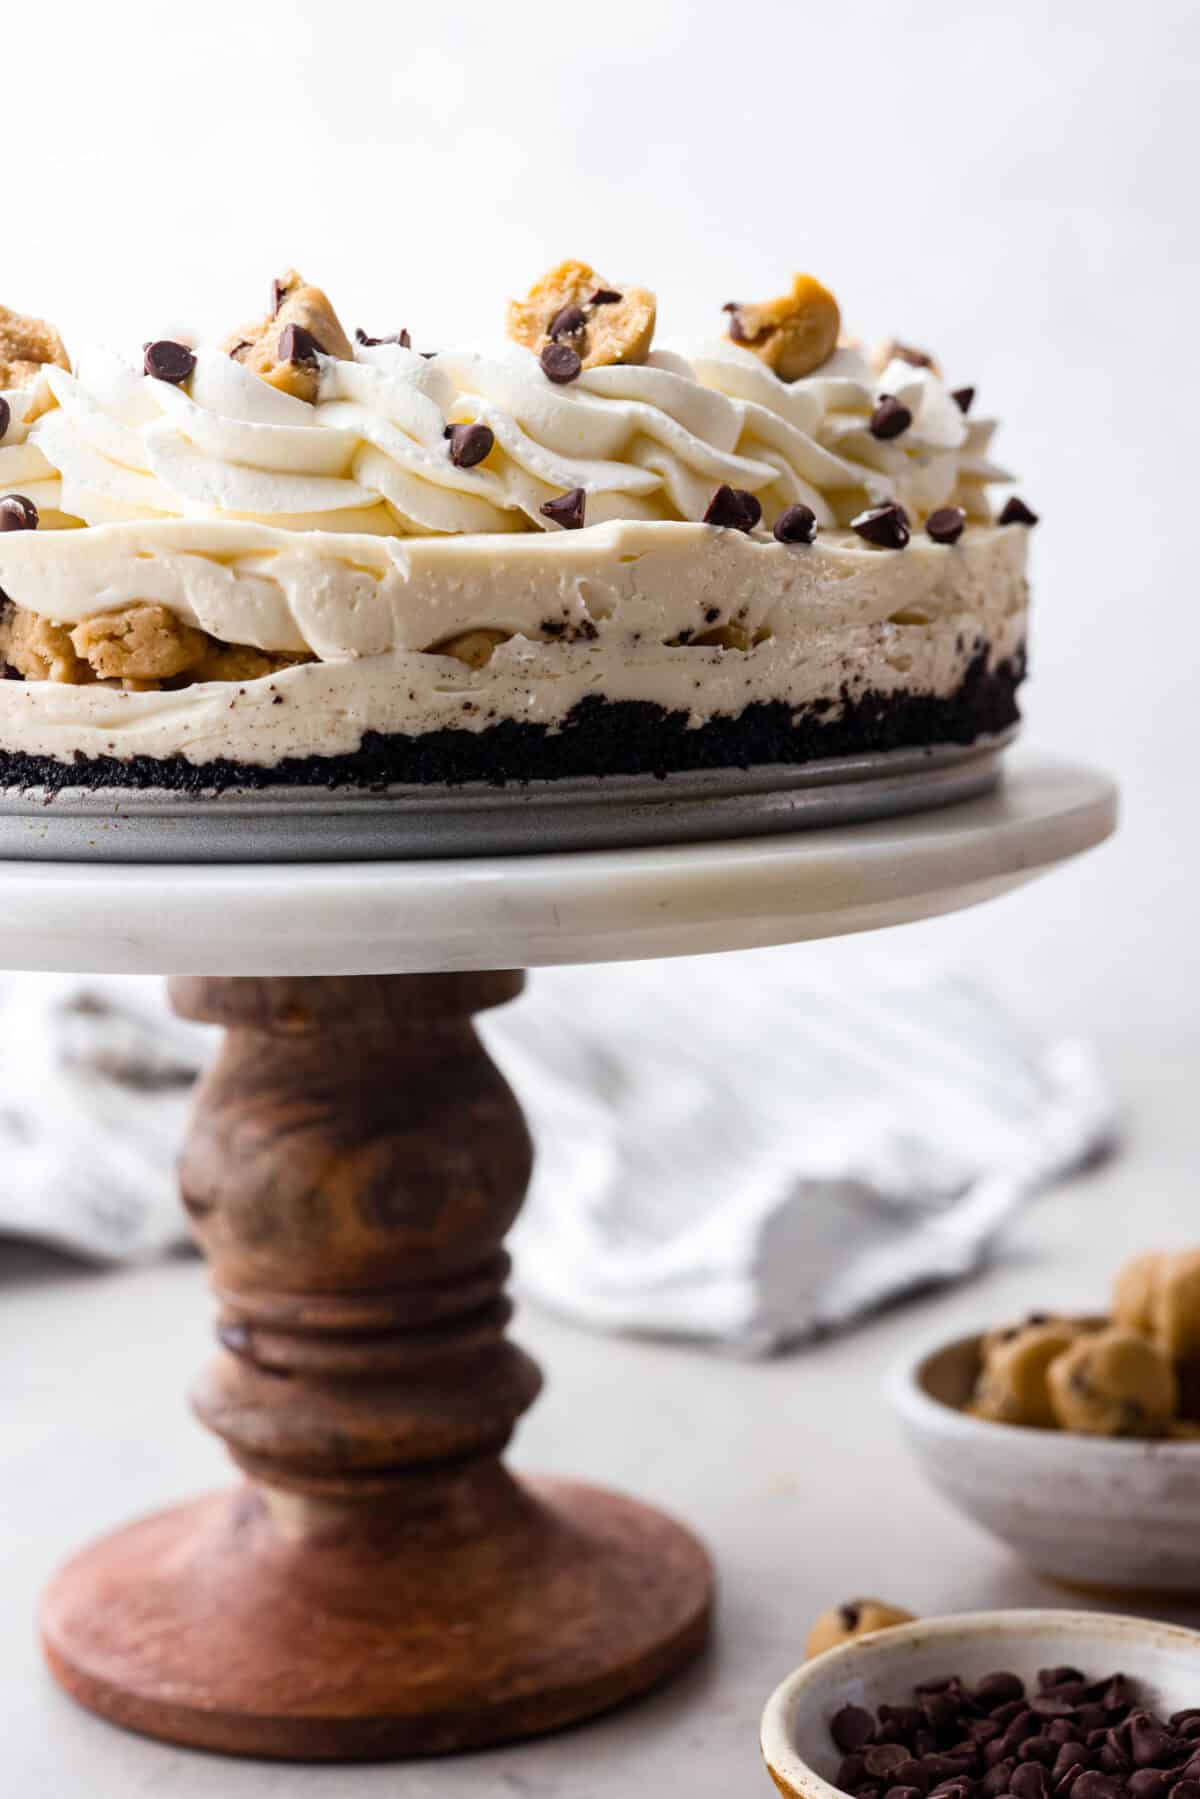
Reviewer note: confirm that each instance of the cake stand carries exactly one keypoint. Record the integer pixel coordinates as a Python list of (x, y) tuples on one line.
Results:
[(380, 1585)]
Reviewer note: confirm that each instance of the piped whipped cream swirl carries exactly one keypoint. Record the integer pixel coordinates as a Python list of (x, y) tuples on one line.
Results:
[(645, 442)]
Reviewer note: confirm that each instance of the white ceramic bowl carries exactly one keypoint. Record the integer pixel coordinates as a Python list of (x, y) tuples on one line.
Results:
[(1096, 1511), (883, 1668)]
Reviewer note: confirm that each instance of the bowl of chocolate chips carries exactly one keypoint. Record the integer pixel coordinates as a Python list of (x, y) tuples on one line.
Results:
[(993, 1705)]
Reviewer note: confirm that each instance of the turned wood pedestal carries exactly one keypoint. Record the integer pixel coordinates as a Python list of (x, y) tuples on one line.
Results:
[(380, 1585)]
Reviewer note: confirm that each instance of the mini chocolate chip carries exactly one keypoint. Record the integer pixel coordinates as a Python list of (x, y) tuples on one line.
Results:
[(469, 444), (1004, 1714), (959, 1786), (886, 526), (1062, 1730), (911, 1774), (850, 1615), (17, 513), (942, 1709), (567, 509), (737, 330), (1189, 1715), (560, 364), (297, 344), (984, 1730), (852, 1728), (398, 337), (605, 296), (852, 1771), (890, 418), (1150, 1744), (996, 1780), (1070, 1755), (278, 296), (167, 361), (1026, 1724), (797, 525), (1000, 1688), (962, 397), (1118, 1694), (1038, 1749), (1016, 512), (882, 1759), (1030, 1781), (567, 322), (947, 524), (1150, 1783), (1053, 1704), (5, 417), (1093, 1785), (734, 508)]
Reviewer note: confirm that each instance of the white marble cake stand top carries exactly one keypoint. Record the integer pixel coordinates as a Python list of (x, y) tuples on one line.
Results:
[(531, 911)]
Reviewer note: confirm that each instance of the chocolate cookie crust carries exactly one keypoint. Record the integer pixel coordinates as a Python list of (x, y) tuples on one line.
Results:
[(599, 737)]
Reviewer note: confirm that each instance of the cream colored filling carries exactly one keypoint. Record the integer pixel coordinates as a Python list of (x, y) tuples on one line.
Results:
[(612, 611)]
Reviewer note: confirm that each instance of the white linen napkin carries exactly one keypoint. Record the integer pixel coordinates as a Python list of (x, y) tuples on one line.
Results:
[(732, 1149)]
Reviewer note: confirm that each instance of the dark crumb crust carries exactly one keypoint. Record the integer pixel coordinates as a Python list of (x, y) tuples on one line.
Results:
[(600, 737)]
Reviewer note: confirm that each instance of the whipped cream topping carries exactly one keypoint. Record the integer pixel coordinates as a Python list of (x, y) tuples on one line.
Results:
[(650, 441)]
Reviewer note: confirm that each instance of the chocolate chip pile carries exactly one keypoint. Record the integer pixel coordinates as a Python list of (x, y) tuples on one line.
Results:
[(1089, 1739)]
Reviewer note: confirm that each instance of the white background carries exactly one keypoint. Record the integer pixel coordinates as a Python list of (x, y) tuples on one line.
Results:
[(1012, 186)]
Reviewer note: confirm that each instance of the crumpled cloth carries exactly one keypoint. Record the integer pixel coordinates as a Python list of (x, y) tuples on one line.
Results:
[(733, 1149)]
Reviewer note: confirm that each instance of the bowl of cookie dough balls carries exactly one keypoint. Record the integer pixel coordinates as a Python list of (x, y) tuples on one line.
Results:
[(1075, 1440)]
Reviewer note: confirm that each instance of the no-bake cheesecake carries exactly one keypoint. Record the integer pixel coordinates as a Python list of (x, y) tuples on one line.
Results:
[(297, 556)]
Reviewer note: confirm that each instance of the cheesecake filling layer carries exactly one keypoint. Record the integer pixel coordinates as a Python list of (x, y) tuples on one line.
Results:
[(701, 623)]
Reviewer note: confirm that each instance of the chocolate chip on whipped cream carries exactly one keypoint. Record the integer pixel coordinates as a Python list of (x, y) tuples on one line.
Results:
[(401, 337), (962, 397), (561, 364), (469, 444), (165, 360), (1015, 512), (18, 513), (946, 525), (794, 334), (567, 510), (296, 344), (886, 526), (890, 418), (797, 525), (606, 325), (733, 508)]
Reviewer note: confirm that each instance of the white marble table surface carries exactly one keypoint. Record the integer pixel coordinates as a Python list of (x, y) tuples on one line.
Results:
[(792, 1470)]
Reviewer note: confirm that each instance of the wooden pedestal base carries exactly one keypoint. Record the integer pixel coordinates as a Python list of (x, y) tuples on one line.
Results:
[(381, 1586)]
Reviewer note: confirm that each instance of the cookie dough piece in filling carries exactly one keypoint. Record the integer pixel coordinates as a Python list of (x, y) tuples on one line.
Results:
[(856, 1618), (1013, 1385), (1113, 1384), (140, 646)]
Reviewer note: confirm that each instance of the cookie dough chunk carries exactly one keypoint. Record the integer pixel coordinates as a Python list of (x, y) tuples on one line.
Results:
[(26, 346), (572, 305), (240, 662), (1133, 1293), (39, 650), (1013, 1386), (793, 335), (138, 643), (856, 1618), (475, 648), (283, 347), (1113, 1384)]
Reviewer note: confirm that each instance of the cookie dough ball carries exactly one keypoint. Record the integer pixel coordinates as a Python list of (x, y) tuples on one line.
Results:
[(1113, 1384), (856, 1618), (1012, 1386), (1133, 1293)]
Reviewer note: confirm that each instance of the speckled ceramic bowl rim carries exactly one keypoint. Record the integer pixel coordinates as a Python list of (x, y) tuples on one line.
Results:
[(793, 1775), (913, 1401)]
